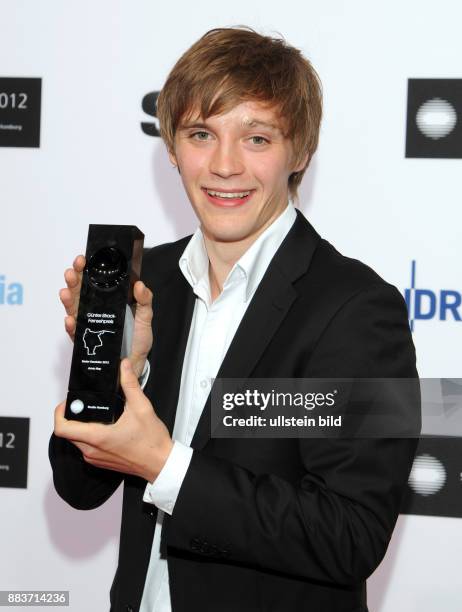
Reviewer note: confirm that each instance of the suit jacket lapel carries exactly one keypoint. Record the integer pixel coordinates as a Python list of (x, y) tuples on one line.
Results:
[(268, 308)]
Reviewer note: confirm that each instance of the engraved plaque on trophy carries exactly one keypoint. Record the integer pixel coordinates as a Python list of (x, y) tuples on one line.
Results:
[(104, 322)]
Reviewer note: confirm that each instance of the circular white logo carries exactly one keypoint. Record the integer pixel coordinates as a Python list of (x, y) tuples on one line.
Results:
[(436, 118), (428, 475), (77, 406)]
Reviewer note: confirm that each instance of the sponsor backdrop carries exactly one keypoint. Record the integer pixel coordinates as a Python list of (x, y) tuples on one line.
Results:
[(79, 144)]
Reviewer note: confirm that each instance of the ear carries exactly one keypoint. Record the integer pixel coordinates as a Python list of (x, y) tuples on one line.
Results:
[(172, 158), (302, 164)]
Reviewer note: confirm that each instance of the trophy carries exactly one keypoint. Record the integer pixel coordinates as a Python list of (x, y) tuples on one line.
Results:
[(105, 322)]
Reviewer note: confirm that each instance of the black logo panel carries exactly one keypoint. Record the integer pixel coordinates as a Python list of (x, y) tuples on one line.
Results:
[(20, 104), (435, 485), (434, 118), (14, 451)]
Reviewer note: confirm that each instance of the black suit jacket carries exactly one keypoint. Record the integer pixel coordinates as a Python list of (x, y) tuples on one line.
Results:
[(283, 525)]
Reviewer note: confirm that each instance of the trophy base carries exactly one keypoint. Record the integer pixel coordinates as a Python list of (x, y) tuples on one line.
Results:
[(94, 407)]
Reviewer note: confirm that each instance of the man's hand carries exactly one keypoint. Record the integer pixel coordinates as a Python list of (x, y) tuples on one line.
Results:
[(71, 294), (138, 443), (142, 333)]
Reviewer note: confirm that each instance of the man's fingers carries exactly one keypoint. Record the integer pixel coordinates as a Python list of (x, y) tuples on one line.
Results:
[(91, 433), (68, 300), (129, 381), (59, 411), (83, 447), (69, 295), (143, 297), (79, 263), (70, 325), (97, 457), (72, 278)]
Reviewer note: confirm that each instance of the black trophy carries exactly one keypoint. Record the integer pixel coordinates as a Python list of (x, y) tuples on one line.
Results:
[(104, 322)]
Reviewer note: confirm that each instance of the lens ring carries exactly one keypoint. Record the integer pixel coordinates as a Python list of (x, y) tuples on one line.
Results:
[(107, 268)]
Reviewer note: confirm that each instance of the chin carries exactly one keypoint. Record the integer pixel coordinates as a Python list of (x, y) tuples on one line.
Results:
[(226, 232), (226, 236)]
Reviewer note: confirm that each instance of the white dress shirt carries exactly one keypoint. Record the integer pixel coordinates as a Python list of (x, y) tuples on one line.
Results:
[(212, 329)]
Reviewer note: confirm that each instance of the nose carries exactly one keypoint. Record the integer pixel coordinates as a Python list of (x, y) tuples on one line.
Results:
[(225, 160)]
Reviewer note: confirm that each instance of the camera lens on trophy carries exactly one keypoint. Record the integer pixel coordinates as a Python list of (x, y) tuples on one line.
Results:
[(107, 268)]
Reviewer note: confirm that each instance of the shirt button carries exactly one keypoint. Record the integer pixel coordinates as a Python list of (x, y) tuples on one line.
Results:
[(204, 383)]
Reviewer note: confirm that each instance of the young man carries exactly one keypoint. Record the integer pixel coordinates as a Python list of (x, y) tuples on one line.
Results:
[(215, 524)]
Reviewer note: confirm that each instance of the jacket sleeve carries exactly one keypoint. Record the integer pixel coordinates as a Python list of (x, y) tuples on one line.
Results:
[(334, 523), (81, 485)]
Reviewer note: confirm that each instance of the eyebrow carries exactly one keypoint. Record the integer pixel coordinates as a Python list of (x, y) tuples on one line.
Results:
[(194, 124), (251, 122), (246, 122)]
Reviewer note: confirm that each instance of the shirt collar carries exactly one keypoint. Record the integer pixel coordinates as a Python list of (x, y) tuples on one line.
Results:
[(194, 262)]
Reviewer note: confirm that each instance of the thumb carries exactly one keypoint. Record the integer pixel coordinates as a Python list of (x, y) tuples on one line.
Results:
[(128, 380)]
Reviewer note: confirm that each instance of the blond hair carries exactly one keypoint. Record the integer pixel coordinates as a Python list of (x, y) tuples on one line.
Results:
[(227, 66)]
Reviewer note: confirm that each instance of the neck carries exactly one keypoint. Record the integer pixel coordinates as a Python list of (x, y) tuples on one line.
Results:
[(223, 255)]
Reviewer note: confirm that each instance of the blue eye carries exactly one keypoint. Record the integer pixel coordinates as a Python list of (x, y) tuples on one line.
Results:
[(200, 135), (260, 140)]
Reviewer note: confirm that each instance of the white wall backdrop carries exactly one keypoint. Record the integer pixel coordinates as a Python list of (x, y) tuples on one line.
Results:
[(97, 60)]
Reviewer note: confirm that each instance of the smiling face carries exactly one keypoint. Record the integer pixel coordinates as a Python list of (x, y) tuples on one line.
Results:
[(235, 169)]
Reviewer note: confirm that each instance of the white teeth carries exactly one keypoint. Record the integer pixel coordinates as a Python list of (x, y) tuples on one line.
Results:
[(221, 194)]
